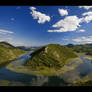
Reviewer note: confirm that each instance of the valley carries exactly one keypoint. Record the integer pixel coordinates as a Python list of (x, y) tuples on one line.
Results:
[(75, 69), (16, 74)]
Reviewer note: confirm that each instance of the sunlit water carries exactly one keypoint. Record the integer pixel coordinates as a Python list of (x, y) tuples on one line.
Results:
[(20, 79)]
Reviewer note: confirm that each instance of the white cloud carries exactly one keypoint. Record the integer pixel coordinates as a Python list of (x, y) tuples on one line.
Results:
[(55, 30), (5, 39), (87, 17), (42, 18), (5, 32), (87, 13), (85, 7), (32, 8), (69, 23), (20, 44), (9, 38), (63, 12), (83, 39), (81, 30)]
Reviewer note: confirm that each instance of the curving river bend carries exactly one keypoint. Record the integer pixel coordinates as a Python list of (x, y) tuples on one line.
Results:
[(11, 78)]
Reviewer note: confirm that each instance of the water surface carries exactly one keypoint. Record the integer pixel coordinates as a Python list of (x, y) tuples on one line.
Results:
[(21, 79)]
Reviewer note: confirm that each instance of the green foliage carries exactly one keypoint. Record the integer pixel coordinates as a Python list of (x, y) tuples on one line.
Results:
[(86, 48), (87, 83), (51, 56), (8, 52)]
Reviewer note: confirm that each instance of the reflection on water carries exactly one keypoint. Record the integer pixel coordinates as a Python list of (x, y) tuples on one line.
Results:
[(55, 81), (29, 80), (84, 69), (10, 78)]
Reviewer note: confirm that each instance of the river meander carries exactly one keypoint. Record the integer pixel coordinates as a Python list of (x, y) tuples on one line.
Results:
[(11, 74)]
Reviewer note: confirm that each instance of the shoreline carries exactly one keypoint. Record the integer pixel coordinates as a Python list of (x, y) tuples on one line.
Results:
[(18, 67)]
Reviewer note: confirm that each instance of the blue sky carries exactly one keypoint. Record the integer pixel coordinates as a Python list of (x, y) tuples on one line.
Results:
[(41, 25)]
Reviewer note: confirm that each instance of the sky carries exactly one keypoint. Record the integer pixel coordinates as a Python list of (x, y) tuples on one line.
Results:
[(41, 25)]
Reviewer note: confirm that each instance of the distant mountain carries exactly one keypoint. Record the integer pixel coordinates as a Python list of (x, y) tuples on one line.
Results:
[(82, 48), (24, 48), (27, 48), (51, 56), (8, 52), (70, 45)]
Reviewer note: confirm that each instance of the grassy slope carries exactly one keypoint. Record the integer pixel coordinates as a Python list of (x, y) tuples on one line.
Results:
[(8, 52), (86, 81), (51, 56), (85, 48)]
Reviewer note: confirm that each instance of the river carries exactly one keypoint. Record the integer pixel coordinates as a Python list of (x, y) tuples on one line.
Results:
[(11, 78)]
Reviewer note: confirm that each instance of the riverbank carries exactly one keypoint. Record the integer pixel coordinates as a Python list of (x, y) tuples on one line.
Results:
[(86, 81), (89, 57), (4, 64), (15, 73), (18, 67)]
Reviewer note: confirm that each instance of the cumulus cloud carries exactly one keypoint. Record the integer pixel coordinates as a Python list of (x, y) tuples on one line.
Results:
[(85, 7), (83, 39), (32, 8), (42, 18), (63, 12), (5, 32), (69, 23), (87, 13), (81, 30), (87, 17)]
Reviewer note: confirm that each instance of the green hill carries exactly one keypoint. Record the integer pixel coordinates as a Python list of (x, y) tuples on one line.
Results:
[(8, 52), (83, 48), (50, 56)]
